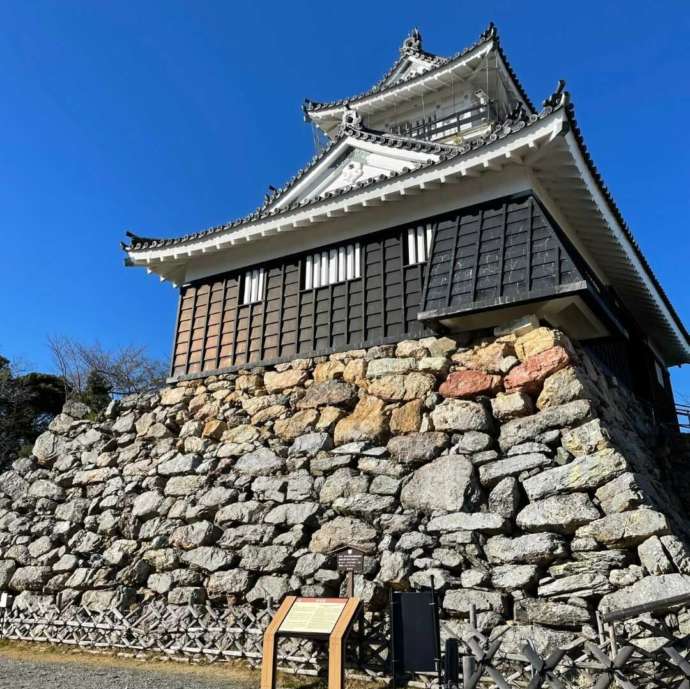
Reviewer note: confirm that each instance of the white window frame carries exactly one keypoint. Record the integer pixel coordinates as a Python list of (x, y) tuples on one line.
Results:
[(253, 286), (333, 266), (419, 244)]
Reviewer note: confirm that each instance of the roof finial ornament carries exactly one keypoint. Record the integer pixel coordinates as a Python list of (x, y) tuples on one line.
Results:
[(413, 43), (489, 32), (559, 97), (351, 119)]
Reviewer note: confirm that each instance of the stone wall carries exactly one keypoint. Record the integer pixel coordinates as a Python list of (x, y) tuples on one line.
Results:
[(513, 470)]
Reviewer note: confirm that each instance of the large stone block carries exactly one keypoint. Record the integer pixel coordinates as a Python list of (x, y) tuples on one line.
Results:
[(511, 405), (470, 384), (402, 387), (492, 472), (537, 549), (464, 600), (342, 531), (551, 613), (260, 462), (460, 415), (529, 427), (330, 393), (277, 382), (486, 522), (539, 340), (625, 528), (447, 483), (417, 447), (367, 422), (584, 473), (531, 373), (648, 589), (564, 386), (559, 513)]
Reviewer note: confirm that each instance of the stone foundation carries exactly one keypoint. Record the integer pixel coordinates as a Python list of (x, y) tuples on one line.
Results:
[(513, 470)]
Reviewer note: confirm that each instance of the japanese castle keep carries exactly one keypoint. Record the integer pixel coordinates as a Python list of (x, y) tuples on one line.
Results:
[(444, 202), (438, 343)]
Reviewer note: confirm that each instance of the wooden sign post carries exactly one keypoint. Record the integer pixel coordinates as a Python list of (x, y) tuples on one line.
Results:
[(350, 560), (312, 618)]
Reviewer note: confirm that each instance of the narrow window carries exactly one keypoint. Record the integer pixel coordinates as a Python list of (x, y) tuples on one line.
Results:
[(659, 374), (253, 286), (332, 266), (418, 244)]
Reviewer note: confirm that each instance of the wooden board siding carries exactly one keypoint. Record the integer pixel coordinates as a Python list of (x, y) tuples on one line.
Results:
[(507, 250), (215, 331), (497, 253)]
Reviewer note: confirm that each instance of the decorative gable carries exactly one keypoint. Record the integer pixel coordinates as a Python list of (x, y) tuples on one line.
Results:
[(352, 162)]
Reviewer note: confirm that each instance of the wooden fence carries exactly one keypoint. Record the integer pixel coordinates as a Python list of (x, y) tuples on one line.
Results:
[(235, 633)]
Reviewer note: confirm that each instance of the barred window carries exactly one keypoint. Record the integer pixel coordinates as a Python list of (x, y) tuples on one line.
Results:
[(418, 244), (253, 286), (333, 265)]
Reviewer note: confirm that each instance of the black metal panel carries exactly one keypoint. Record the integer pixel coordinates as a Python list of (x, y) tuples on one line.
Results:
[(506, 250)]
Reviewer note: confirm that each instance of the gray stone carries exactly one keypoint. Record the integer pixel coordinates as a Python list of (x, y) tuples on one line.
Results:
[(73, 511), (271, 558), (243, 512), (180, 486), (425, 578), (678, 552), (332, 393), (291, 514), (459, 415), (7, 569), (309, 563), (342, 531), (342, 482), (85, 542), (260, 462), (269, 588), (648, 589), (528, 449), (187, 595), (462, 521), (179, 464), (208, 558), (463, 600), (512, 577), (542, 639), (120, 551), (504, 498), (310, 444), (582, 585), (147, 504), (385, 485), (67, 563), (551, 613), (417, 447), (412, 540), (226, 583), (653, 557), (621, 494), (46, 489), (217, 496), (559, 513), (584, 473), (29, 578), (493, 472), (530, 549), (40, 547), (383, 367), (194, 535), (395, 569), (626, 528), (587, 439), (47, 445), (13, 485), (364, 505), (161, 559), (447, 483), (473, 441), (526, 428)]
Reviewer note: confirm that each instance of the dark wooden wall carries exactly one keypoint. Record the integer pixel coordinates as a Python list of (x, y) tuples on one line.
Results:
[(497, 253), (214, 333)]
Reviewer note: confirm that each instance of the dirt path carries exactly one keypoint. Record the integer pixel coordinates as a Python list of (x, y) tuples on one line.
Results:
[(37, 667)]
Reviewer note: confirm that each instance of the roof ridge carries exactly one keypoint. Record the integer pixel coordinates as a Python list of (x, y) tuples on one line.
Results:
[(490, 33)]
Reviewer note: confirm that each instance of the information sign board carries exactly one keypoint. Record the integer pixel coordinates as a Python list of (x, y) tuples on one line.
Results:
[(312, 616)]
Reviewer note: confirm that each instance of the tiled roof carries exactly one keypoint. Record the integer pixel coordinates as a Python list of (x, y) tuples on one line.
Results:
[(517, 120), (490, 34)]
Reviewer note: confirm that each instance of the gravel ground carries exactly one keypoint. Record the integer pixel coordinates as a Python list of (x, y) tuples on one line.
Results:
[(23, 669)]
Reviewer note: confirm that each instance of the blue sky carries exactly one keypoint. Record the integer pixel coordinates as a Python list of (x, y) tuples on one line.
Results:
[(169, 117)]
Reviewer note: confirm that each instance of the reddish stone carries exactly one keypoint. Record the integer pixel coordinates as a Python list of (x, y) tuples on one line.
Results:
[(465, 384), (529, 375)]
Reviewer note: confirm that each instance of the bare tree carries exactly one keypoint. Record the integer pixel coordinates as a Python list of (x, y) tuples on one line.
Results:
[(126, 370)]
